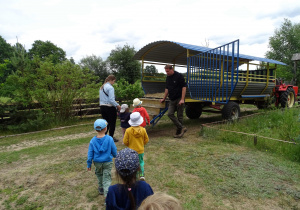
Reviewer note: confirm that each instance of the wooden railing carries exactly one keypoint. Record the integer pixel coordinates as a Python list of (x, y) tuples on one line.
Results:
[(80, 108)]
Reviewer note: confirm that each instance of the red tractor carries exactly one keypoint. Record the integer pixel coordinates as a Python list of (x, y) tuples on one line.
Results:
[(286, 95)]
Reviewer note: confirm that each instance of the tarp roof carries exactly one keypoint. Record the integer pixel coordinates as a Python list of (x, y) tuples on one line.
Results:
[(176, 52)]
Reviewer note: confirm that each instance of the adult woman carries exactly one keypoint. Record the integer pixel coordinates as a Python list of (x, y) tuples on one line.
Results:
[(108, 104)]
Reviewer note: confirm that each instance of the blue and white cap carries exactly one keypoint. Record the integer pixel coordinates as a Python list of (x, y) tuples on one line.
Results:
[(100, 124), (127, 161)]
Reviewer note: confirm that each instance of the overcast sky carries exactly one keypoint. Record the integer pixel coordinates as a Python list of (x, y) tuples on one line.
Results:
[(83, 28)]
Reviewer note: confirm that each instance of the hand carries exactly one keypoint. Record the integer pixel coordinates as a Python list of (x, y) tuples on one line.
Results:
[(181, 102), (119, 107), (89, 169), (162, 100)]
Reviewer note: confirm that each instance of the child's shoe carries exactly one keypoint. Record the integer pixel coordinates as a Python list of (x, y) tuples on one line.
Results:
[(142, 178), (101, 191)]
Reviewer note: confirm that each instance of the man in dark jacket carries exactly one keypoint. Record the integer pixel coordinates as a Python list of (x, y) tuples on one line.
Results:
[(176, 89)]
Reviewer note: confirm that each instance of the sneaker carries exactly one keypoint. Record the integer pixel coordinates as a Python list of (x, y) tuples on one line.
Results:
[(101, 191), (184, 129), (142, 178), (115, 140)]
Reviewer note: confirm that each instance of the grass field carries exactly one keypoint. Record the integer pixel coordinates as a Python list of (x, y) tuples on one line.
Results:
[(47, 170)]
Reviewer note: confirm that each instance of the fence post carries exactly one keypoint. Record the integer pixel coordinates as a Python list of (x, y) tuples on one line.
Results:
[(255, 140)]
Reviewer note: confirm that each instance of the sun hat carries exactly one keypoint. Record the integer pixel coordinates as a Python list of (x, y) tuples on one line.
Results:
[(135, 119), (127, 161), (100, 124), (123, 108), (137, 102)]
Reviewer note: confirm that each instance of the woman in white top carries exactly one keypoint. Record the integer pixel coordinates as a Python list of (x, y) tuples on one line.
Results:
[(108, 104)]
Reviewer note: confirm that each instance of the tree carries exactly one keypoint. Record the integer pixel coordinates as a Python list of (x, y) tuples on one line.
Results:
[(151, 69), (123, 65), (96, 65), (72, 60), (6, 50), (283, 44), (47, 49)]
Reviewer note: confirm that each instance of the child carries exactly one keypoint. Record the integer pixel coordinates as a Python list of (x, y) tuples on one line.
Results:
[(131, 193), (160, 201), (136, 138), (137, 104), (101, 151), (124, 118)]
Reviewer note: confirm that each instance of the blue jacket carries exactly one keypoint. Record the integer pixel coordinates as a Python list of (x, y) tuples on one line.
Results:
[(101, 150), (107, 95), (117, 196)]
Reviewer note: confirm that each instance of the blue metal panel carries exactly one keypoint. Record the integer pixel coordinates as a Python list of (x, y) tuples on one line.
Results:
[(213, 75)]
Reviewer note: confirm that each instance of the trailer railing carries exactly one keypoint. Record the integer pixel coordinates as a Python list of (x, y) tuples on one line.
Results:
[(213, 75)]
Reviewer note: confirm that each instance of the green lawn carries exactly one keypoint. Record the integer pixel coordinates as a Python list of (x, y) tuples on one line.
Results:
[(47, 170)]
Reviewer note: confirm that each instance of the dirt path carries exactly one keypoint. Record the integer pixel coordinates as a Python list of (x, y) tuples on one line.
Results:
[(32, 143), (27, 143)]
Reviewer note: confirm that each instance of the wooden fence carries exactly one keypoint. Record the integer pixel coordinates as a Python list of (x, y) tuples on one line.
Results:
[(80, 108)]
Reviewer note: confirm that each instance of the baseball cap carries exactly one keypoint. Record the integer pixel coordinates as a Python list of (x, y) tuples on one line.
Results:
[(127, 161), (100, 124)]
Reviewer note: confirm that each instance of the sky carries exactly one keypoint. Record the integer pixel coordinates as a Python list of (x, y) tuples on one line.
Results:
[(95, 27)]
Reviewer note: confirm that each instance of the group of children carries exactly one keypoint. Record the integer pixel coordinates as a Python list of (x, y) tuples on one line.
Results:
[(129, 162)]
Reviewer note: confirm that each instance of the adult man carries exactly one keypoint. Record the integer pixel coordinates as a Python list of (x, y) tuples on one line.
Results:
[(176, 89)]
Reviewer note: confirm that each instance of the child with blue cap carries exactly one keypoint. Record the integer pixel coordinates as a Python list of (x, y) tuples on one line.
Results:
[(130, 193), (102, 149)]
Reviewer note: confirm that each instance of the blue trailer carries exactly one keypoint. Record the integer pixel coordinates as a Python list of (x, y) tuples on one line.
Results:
[(219, 78)]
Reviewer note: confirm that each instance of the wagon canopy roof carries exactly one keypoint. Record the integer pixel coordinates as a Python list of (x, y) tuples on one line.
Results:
[(176, 52)]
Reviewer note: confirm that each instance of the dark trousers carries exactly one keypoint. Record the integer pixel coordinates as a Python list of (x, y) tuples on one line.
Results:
[(175, 107), (109, 113)]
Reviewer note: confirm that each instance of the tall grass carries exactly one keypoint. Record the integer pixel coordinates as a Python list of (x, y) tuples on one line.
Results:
[(281, 124)]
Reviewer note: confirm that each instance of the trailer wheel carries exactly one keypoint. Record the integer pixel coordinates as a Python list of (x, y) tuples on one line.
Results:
[(287, 98), (231, 111), (193, 112)]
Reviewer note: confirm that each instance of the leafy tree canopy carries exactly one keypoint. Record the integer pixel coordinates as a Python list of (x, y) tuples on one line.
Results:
[(283, 44), (123, 65), (6, 50), (96, 65), (47, 49), (151, 69)]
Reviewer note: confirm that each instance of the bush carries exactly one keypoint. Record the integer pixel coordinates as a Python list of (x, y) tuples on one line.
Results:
[(127, 92), (24, 121), (51, 88)]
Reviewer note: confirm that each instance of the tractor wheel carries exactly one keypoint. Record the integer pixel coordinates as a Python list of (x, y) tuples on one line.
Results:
[(287, 98), (231, 111), (193, 112)]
